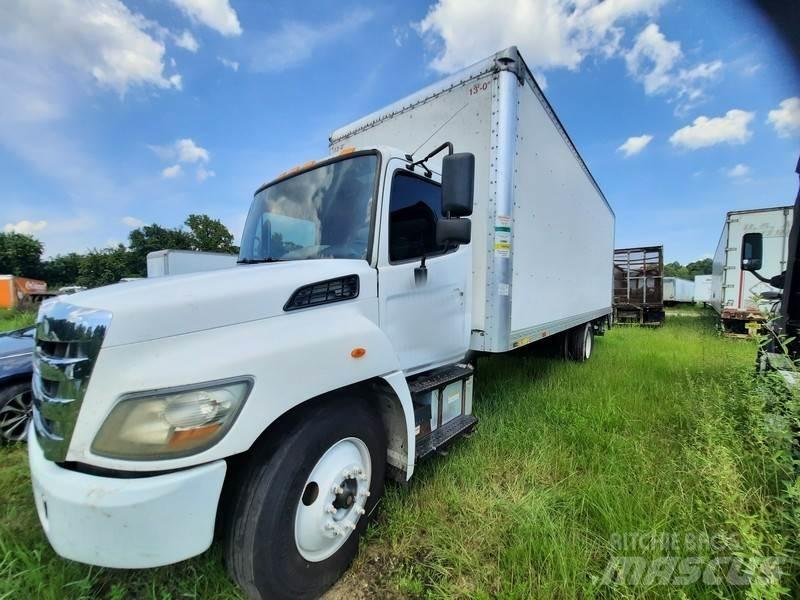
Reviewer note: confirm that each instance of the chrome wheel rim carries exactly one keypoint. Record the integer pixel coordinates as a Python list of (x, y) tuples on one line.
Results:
[(333, 499), (15, 416)]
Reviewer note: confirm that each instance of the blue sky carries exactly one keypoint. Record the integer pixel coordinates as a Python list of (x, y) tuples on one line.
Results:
[(125, 112)]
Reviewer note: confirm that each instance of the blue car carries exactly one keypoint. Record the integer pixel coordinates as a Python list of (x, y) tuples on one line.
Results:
[(16, 371)]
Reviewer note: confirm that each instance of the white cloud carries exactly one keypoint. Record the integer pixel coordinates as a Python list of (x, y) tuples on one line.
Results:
[(786, 119), (738, 171), (24, 226), (131, 222), (184, 150), (231, 64), (549, 33), (187, 41), (101, 41), (703, 132), (171, 172), (634, 145), (294, 42), (216, 14), (653, 60), (190, 152), (203, 174)]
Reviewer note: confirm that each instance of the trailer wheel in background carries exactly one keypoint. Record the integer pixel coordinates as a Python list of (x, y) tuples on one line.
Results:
[(300, 505), (580, 342)]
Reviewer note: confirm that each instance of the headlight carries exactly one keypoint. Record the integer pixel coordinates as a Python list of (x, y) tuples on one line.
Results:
[(171, 423)]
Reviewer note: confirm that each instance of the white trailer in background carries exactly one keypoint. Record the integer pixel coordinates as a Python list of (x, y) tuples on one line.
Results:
[(702, 288), (270, 400), (678, 290), (735, 292), (179, 262)]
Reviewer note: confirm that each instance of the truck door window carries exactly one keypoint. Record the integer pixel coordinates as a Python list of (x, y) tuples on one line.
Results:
[(414, 207)]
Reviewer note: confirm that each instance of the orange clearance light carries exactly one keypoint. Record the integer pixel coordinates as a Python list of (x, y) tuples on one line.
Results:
[(358, 352), (347, 150), (186, 436)]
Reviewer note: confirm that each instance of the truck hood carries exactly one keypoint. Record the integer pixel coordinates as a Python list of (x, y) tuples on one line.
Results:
[(166, 306)]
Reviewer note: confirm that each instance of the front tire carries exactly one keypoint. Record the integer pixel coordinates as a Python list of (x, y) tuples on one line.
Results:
[(301, 504)]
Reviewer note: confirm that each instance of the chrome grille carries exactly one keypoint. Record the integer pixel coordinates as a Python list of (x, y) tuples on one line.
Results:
[(68, 339)]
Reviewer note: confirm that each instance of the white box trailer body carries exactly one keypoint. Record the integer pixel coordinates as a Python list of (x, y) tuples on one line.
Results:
[(542, 230), (702, 288), (734, 291), (678, 290), (178, 262)]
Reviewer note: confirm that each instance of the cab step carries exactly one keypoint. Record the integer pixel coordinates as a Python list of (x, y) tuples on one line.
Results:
[(440, 437), (438, 378)]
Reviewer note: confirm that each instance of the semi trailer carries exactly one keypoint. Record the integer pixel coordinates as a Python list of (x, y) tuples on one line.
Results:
[(702, 289), (271, 400), (737, 294), (678, 290), (179, 262)]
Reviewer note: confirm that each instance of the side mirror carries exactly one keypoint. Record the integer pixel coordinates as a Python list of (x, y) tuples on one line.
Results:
[(458, 184), (752, 251), (453, 231)]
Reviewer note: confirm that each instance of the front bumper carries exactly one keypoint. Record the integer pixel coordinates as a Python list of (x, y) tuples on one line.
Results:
[(125, 523)]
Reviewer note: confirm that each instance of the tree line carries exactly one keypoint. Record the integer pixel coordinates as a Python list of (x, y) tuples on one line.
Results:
[(698, 267), (21, 254)]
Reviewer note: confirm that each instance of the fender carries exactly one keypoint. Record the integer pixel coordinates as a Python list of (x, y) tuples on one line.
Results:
[(292, 358)]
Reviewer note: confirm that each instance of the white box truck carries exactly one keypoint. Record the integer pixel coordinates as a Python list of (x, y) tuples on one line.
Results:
[(736, 294), (272, 399), (702, 288), (678, 290), (180, 262)]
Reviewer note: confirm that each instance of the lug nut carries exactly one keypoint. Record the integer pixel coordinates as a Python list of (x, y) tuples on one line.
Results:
[(330, 509), (360, 510), (337, 489)]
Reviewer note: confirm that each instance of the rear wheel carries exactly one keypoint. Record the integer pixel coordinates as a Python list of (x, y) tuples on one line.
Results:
[(302, 504), (16, 403), (580, 342)]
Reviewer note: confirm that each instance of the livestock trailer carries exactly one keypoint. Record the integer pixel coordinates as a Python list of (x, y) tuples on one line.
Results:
[(736, 293), (638, 285)]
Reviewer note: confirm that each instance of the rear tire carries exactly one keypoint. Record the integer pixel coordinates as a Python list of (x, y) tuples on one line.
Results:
[(291, 534), (580, 342)]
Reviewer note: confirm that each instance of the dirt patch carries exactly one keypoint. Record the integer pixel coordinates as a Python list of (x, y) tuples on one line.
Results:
[(367, 578)]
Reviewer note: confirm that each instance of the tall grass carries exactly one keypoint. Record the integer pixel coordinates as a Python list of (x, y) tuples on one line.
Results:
[(16, 319), (662, 432)]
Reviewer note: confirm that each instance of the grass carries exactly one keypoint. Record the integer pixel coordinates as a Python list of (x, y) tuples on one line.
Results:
[(14, 319), (660, 433)]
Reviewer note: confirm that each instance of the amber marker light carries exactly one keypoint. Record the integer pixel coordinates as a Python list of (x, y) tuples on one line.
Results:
[(358, 352)]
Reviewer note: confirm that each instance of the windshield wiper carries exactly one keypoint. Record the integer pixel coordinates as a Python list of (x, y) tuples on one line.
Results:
[(255, 261)]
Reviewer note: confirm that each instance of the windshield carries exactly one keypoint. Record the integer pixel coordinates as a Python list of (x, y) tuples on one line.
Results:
[(321, 213)]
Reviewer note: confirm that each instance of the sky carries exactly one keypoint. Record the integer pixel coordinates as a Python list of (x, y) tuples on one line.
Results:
[(117, 113)]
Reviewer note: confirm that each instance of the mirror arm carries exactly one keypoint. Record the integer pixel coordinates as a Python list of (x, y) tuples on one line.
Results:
[(760, 277)]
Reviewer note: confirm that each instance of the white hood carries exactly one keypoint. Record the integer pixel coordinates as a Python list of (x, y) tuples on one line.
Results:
[(166, 306)]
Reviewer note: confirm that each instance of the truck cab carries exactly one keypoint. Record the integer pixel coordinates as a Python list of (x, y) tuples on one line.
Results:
[(153, 397)]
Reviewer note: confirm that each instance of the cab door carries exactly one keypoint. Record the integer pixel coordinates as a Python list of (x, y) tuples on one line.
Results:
[(427, 322)]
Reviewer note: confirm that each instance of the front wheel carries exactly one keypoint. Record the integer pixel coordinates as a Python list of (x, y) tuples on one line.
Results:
[(303, 502)]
